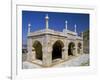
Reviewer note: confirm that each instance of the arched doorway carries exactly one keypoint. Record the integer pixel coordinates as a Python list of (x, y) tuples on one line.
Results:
[(71, 48), (79, 47), (57, 49), (38, 50)]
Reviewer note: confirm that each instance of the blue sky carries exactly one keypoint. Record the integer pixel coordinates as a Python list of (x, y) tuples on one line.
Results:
[(56, 21)]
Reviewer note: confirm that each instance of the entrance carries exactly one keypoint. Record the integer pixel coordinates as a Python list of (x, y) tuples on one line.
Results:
[(57, 49), (71, 48), (38, 50)]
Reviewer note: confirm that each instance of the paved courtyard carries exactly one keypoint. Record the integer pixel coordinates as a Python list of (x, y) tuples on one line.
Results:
[(82, 60)]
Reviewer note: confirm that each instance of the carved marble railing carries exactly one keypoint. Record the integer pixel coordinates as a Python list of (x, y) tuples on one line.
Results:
[(79, 37), (46, 31), (71, 32), (52, 32)]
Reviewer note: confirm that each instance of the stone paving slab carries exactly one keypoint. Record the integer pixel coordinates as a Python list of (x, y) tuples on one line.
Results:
[(77, 61), (81, 60)]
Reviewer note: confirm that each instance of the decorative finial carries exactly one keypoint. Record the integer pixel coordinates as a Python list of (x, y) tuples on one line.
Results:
[(75, 27), (29, 25), (46, 17), (66, 24), (47, 23)]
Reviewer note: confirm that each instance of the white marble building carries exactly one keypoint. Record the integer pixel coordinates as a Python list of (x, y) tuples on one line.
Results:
[(45, 46)]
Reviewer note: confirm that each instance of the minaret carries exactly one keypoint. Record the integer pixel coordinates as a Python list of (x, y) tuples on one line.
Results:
[(29, 25), (75, 27), (66, 25), (47, 18)]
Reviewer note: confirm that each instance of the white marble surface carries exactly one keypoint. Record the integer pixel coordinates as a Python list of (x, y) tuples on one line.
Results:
[(75, 61)]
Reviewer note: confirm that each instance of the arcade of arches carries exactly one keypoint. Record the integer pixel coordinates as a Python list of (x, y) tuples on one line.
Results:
[(58, 50)]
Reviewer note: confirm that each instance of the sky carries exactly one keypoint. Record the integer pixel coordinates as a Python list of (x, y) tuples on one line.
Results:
[(56, 21)]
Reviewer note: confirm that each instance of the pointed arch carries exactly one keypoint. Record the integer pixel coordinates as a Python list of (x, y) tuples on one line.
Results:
[(38, 50), (57, 49), (71, 47)]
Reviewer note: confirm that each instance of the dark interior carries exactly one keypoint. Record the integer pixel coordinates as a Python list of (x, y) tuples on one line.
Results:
[(38, 49), (70, 48), (57, 50)]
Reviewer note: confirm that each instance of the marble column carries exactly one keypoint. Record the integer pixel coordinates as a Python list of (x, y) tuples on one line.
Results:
[(47, 52), (65, 51), (33, 54), (76, 49), (29, 48), (47, 56), (81, 48)]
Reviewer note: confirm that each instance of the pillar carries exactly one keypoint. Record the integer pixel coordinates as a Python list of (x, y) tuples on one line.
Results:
[(29, 48), (47, 57), (47, 52), (33, 54), (82, 43), (65, 51), (76, 49), (31, 51), (81, 47)]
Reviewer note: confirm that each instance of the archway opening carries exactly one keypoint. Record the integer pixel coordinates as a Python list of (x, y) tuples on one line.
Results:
[(38, 50), (57, 50), (79, 47), (71, 48)]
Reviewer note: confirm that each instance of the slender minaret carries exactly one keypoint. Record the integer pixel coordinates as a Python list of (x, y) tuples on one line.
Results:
[(29, 25), (75, 27), (66, 25), (47, 18)]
